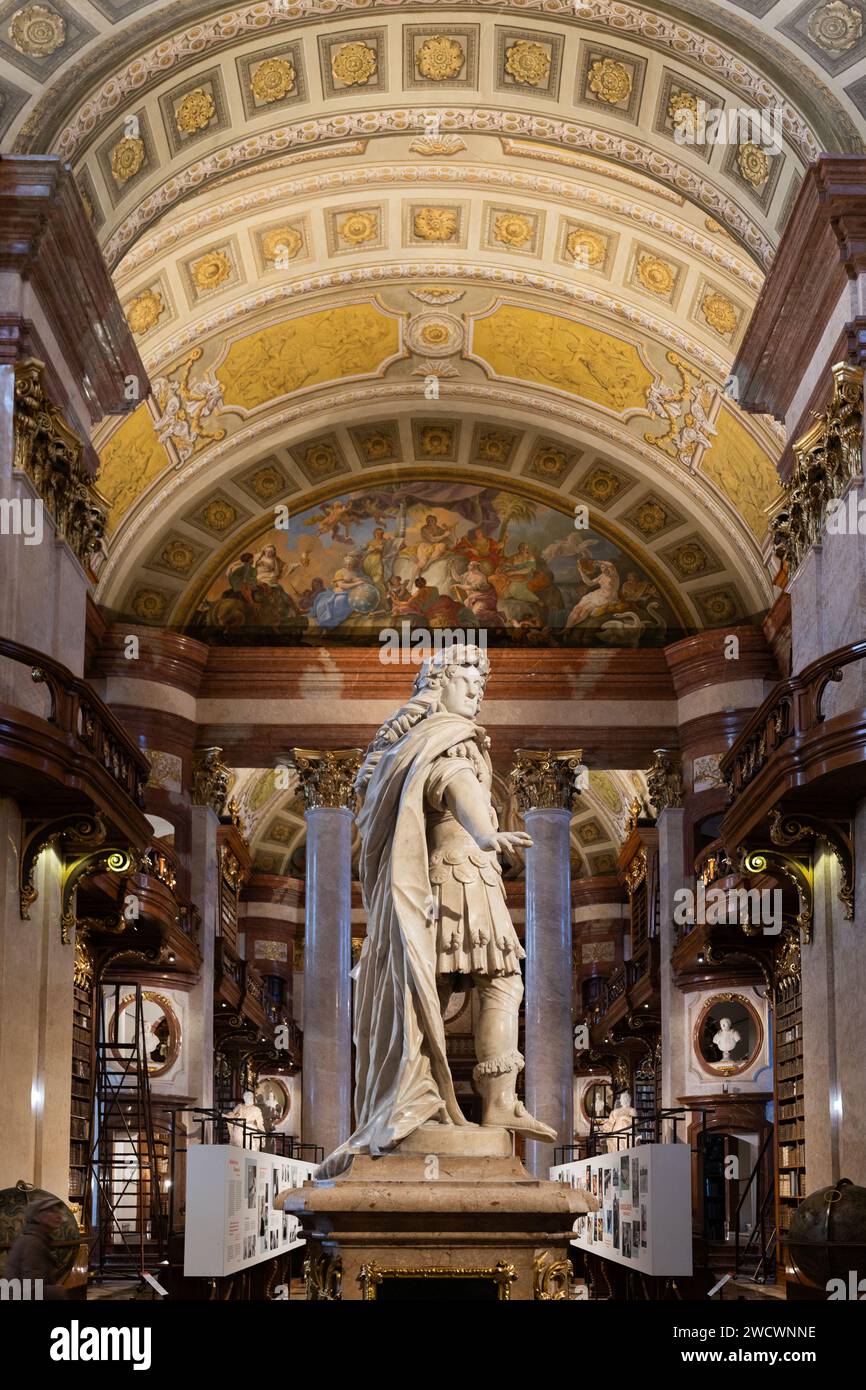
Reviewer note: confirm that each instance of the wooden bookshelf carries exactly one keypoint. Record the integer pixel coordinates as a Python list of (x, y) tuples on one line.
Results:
[(81, 1089), (790, 1146)]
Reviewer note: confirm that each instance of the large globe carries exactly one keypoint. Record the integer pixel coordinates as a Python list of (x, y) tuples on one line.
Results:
[(14, 1202), (827, 1237)]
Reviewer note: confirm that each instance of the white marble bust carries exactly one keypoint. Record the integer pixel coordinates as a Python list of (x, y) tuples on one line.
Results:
[(726, 1038)]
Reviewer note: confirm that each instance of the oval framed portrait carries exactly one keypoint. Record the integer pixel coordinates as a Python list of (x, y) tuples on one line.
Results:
[(597, 1100), (160, 1037), (728, 1035), (273, 1099)]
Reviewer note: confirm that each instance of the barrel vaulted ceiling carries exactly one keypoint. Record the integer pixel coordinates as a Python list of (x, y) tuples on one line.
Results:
[(274, 820), (443, 241)]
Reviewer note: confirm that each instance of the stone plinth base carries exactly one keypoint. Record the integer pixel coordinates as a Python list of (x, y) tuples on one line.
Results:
[(425, 1225)]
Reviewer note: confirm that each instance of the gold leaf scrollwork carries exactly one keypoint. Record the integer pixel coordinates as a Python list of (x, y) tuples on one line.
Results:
[(827, 457), (551, 1277), (52, 456), (791, 830)]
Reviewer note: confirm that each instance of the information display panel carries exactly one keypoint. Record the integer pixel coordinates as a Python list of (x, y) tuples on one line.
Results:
[(231, 1221), (644, 1219)]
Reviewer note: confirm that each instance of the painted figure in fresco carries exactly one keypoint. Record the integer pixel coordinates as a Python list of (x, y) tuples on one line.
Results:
[(433, 543), (350, 592), (602, 576), (484, 550), (379, 558), (479, 596), (368, 555)]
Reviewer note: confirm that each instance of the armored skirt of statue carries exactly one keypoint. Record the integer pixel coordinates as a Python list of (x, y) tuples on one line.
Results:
[(435, 907), (474, 932)]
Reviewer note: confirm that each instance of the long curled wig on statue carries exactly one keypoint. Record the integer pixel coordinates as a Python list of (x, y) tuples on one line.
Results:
[(436, 671)]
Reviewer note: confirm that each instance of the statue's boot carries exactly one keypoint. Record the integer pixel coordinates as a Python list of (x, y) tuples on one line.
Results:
[(496, 1081)]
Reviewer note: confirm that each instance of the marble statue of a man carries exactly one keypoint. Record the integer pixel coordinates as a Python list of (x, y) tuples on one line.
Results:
[(249, 1112), (619, 1123), (437, 917)]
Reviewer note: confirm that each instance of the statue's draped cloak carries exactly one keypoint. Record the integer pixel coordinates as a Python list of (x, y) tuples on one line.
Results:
[(402, 1076)]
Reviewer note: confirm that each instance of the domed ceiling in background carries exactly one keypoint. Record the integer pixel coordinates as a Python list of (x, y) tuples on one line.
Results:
[(393, 257)]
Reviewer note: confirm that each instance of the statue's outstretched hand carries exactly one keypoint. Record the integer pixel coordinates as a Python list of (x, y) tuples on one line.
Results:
[(501, 841)]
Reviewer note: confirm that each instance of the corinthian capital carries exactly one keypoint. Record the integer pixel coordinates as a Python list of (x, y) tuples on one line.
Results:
[(327, 776), (547, 780), (210, 779), (664, 780)]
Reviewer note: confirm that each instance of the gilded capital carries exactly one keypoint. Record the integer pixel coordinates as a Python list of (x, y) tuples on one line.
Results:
[(210, 779), (664, 780), (327, 776), (52, 456), (826, 459), (547, 780)]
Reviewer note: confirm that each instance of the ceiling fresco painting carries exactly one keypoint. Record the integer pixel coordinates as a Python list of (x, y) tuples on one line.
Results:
[(436, 555), (477, 255)]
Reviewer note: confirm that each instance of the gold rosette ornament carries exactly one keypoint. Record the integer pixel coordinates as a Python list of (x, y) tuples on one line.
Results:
[(754, 164), (195, 111), (527, 62), (127, 158), (212, 270), (585, 247), (143, 312), (358, 228), (435, 224), (354, 63), (439, 58), (512, 228), (719, 313), (281, 241), (37, 31), (609, 80), (655, 275), (273, 79)]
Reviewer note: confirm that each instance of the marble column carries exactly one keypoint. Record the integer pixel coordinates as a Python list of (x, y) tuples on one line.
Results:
[(545, 784), (205, 891), (672, 876), (36, 977), (327, 782)]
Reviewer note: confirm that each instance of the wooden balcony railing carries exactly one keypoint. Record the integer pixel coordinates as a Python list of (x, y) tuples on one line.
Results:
[(791, 711), (643, 963), (87, 724)]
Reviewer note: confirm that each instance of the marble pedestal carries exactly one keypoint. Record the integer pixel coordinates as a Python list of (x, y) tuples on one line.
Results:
[(416, 1224)]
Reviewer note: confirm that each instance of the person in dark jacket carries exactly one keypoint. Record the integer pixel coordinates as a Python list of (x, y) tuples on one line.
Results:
[(30, 1255)]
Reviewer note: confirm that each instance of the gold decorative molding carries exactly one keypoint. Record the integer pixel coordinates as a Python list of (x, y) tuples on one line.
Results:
[(52, 456), (828, 457), (791, 830), (546, 780), (75, 831), (551, 1277), (797, 869), (502, 1274), (664, 780), (635, 811), (210, 779), (636, 871), (327, 776)]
